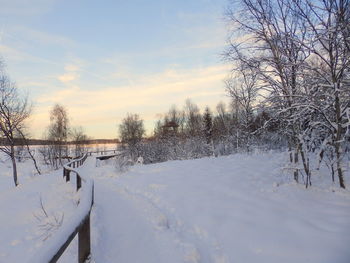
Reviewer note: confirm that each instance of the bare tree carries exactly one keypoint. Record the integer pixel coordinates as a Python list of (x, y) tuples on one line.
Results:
[(243, 89), (224, 121), (14, 111), (177, 119), (24, 139), (79, 139), (193, 119), (58, 133), (264, 40), (131, 132)]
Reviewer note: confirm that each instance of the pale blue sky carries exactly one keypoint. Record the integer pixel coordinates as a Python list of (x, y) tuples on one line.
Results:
[(102, 59)]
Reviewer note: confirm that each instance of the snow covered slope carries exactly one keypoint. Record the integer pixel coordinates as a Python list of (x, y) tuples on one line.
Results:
[(239, 208), (228, 209), (31, 213)]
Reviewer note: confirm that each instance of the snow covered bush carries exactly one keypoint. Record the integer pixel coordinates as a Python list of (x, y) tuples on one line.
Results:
[(123, 162)]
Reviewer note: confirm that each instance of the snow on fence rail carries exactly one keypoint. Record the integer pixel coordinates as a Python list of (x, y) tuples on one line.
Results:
[(101, 152), (79, 224), (108, 156)]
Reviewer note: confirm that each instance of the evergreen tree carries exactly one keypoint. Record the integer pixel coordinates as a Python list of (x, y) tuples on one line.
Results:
[(208, 125)]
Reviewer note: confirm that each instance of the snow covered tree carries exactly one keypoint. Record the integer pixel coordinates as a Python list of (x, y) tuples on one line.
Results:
[(327, 23), (299, 51), (264, 41)]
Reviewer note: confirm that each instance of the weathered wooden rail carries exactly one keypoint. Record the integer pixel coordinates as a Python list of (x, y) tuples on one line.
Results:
[(108, 156), (79, 224), (102, 152)]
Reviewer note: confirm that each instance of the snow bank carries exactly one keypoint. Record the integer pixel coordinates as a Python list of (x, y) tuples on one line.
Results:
[(39, 214), (240, 208), (60, 237), (24, 227)]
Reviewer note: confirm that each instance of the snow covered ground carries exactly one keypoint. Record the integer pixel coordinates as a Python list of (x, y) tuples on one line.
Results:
[(239, 208), (228, 209), (31, 212)]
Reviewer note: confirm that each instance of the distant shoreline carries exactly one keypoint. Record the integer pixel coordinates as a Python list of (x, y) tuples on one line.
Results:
[(19, 142)]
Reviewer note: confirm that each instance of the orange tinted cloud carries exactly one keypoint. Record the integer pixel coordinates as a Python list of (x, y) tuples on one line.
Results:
[(147, 96)]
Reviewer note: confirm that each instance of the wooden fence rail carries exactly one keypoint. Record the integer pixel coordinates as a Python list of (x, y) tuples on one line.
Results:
[(102, 152), (79, 223)]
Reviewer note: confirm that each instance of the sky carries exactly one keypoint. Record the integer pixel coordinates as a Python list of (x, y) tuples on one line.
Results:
[(104, 59)]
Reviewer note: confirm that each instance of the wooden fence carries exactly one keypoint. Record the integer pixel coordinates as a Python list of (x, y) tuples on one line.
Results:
[(102, 152), (79, 223)]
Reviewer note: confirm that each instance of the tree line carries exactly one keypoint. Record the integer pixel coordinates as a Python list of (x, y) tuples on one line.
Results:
[(188, 133), (289, 87)]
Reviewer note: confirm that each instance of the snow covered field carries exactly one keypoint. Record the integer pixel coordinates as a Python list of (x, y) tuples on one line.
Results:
[(239, 208), (24, 225)]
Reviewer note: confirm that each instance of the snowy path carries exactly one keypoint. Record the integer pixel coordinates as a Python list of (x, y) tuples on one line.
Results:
[(206, 211), (239, 208), (121, 234), (129, 227)]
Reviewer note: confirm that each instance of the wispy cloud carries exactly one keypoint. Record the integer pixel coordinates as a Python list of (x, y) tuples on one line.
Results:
[(24, 7), (145, 88), (71, 73), (21, 44), (31, 35), (68, 77), (148, 94), (15, 54), (197, 40), (72, 67)]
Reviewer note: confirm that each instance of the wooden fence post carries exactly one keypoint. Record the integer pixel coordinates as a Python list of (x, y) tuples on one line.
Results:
[(83, 229), (67, 175), (84, 240), (78, 182)]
